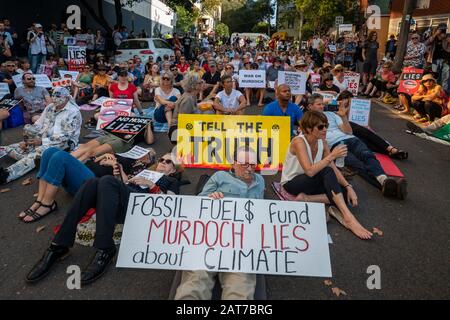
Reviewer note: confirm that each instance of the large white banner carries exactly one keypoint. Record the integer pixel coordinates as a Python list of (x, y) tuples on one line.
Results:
[(227, 235), (295, 80), (252, 79)]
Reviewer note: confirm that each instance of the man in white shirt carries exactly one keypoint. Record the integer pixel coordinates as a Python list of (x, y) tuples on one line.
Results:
[(229, 101), (37, 47)]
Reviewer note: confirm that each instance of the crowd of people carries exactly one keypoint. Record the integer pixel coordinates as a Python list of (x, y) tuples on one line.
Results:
[(199, 80)]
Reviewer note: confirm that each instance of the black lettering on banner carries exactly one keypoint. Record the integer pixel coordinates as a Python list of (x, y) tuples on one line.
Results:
[(287, 261), (213, 150)]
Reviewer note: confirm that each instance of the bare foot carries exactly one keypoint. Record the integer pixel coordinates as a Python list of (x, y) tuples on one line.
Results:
[(354, 226)]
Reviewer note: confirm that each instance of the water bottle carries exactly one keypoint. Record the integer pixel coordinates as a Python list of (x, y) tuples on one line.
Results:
[(340, 162)]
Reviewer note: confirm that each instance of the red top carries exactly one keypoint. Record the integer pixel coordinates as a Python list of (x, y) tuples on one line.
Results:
[(183, 67), (122, 94)]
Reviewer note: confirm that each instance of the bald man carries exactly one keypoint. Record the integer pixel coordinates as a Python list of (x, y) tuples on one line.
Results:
[(284, 107)]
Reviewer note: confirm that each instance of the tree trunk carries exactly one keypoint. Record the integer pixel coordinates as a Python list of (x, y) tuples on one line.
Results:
[(118, 9), (408, 9), (98, 17)]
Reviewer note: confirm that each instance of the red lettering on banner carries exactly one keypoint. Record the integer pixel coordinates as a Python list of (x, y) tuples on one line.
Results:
[(282, 236), (198, 222), (241, 234), (153, 222), (183, 230), (262, 238), (221, 235), (301, 239), (217, 234)]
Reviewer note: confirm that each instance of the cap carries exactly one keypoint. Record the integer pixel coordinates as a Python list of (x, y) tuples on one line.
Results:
[(60, 92), (259, 58), (38, 25)]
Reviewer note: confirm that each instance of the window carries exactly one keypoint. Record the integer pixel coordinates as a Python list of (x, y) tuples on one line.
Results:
[(133, 45), (161, 44)]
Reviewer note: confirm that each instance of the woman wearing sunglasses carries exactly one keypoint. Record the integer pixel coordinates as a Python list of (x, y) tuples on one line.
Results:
[(109, 197), (309, 172), (429, 101)]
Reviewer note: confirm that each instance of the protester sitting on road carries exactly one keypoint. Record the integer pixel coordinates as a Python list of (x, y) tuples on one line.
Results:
[(372, 140), (241, 182), (34, 98), (165, 97), (100, 83), (152, 81), (430, 100), (284, 107), (309, 172), (7, 75), (187, 104), (60, 169), (229, 101), (24, 66), (383, 81), (109, 197), (339, 79), (211, 81), (59, 126), (359, 158), (83, 83), (327, 84)]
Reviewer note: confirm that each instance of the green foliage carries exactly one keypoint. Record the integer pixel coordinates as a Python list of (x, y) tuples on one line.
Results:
[(222, 30), (185, 19), (260, 27), (242, 16)]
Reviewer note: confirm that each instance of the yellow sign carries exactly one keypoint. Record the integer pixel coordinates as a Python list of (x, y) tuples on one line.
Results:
[(209, 141)]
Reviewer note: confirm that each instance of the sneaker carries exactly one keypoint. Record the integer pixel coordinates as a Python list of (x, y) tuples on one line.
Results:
[(389, 188), (402, 191)]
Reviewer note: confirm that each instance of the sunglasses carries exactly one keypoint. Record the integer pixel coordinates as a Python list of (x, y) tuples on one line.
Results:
[(167, 79), (322, 126), (166, 161), (246, 165), (30, 79)]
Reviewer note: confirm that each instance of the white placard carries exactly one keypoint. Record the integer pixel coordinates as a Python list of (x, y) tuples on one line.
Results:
[(295, 80), (272, 84), (332, 47), (69, 41), (4, 90), (73, 74), (41, 69), (327, 97), (113, 108), (227, 235), (152, 176), (353, 79), (136, 153), (360, 112), (100, 101), (42, 80), (252, 79), (345, 28)]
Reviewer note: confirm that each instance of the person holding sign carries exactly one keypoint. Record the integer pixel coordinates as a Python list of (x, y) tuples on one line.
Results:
[(229, 101), (109, 197), (241, 182), (309, 172), (59, 126)]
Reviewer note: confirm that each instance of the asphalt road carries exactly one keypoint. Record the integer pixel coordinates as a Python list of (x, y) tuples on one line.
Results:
[(413, 253)]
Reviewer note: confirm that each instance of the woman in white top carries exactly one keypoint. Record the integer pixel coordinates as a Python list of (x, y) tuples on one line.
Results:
[(310, 174), (339, 79), (165, 97)]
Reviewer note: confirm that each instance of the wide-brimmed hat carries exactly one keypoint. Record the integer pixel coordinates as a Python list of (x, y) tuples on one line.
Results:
[(300, 63), (338, 67), (428, 76)]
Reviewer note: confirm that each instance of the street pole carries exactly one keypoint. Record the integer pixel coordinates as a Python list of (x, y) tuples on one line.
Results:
[(408, 9), (300, 28)]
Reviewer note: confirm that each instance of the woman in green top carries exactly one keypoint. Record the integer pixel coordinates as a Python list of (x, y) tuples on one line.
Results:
[(84, 83)]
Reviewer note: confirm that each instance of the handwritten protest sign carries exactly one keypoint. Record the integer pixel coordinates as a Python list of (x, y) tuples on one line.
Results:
[(315, 80), (113, 108), (69, 41), (209, 141), (327, 97), (353, 81), (295, 80), (332, 47), (410, 80), (345, 28), (42, 80), (4, 90), (360, 111), (136, 153), (62, 83), (227, 235), (126, 128), (73, 75), (149, 175), (8, 104), (252, 79), (77, 58)]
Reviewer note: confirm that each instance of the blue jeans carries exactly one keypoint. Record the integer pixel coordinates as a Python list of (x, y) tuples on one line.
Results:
[(59, 168), (36, 60), (361, 159), (160, 112)]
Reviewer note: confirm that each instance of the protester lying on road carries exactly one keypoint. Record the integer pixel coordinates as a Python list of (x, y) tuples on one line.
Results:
[(109, 197), (60, 169), (59, 126), (241, 182), (309, 172)]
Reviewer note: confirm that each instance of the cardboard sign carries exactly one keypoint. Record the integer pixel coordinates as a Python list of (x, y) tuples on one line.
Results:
[(152, 176), (295, 80), (113, 108), (360, 112), (69, 41), (332, 47), (77, 58), (136, 153), (227, 235), (209, 141), (315, 79), (4, 89), (327, 97), (41, 69), (252, 79), (73, 75), (353, 81), (62, 83), (126, 128), (410, 80), (345, 28), (42, 80), (8, 104)]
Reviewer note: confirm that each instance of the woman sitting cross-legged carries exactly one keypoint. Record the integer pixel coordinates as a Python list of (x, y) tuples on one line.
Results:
[(309, 172), (60, 169), (109, 197)]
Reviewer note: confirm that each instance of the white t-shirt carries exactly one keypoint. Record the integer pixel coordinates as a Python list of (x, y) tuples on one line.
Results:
[(229, 101), (341, 85), (158, 92)]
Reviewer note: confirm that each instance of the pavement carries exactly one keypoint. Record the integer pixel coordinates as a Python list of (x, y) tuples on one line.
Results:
[(412, 253)]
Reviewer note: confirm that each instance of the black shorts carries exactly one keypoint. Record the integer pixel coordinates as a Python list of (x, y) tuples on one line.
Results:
[(370, 67)]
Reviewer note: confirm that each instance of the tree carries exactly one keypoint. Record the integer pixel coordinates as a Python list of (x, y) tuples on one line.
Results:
[(243, 15), (222, 30), (185, 19), (408, 9)]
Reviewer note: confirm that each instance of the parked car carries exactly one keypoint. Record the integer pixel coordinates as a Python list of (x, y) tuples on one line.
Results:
[(143, 48)]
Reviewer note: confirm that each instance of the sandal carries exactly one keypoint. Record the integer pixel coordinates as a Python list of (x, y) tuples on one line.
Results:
[(29, 212), (400, 154), (36, 216)]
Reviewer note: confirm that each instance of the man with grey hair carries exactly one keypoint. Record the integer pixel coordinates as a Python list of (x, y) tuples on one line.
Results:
[(59, 126), (241, 182)]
